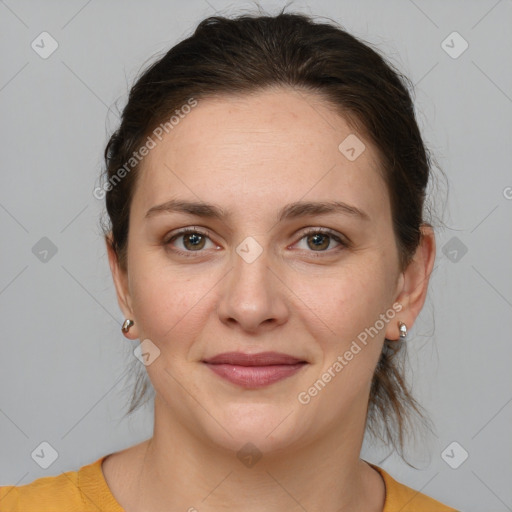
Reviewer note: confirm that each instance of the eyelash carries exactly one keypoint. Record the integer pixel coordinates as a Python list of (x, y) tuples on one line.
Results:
[(312, 231)]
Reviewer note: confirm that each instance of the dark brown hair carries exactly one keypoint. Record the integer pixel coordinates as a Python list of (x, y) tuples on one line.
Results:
[(227, 56)]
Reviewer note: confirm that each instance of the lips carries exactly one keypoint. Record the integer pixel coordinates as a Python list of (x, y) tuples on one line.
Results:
[(253, 371), (260, 359)]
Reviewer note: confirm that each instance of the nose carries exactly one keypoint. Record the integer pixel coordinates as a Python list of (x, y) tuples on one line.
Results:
[(252, 296)]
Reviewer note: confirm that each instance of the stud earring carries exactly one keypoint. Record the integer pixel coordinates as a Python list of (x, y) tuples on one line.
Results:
[(126, 325), (403, 329)]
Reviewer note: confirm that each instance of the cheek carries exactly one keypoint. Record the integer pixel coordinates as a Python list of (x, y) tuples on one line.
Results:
[(351, 306), (169, 304), (348, 301)]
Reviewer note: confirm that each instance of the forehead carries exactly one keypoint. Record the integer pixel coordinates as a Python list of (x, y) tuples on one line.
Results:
[(270, 147)]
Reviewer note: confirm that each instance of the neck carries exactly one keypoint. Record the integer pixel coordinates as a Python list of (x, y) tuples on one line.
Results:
[(186, 473)]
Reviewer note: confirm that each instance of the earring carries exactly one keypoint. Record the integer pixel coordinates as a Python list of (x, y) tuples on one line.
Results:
[(403, 329), (126, 325)]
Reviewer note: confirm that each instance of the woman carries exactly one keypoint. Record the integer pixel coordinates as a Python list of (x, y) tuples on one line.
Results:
[(265, 192)]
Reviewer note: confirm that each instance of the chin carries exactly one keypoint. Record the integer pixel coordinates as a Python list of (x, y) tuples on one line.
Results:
[(263, 427)]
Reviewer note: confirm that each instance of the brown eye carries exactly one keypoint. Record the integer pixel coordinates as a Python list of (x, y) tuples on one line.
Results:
[(321, 240), (193, 241), (188, 241), (318, 241)]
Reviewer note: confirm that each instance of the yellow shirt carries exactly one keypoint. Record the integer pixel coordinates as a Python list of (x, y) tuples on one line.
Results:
[(86, 490)]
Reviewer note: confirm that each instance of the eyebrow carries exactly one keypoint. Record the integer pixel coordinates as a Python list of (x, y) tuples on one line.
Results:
[(290, 211)]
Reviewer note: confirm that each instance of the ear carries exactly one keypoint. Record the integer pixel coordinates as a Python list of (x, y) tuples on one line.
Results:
[(120, 278), (413, 285)]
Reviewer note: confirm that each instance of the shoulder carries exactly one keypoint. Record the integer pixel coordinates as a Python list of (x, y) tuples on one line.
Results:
[(399, 497), (45, 493), (84, 490)]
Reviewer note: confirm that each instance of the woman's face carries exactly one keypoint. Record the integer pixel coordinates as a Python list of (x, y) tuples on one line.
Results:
[(253, 280)]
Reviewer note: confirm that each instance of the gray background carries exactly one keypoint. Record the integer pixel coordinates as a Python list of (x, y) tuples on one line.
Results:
[(64, 358)]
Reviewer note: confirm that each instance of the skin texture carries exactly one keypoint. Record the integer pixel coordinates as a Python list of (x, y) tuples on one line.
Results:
[(252, 155)]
